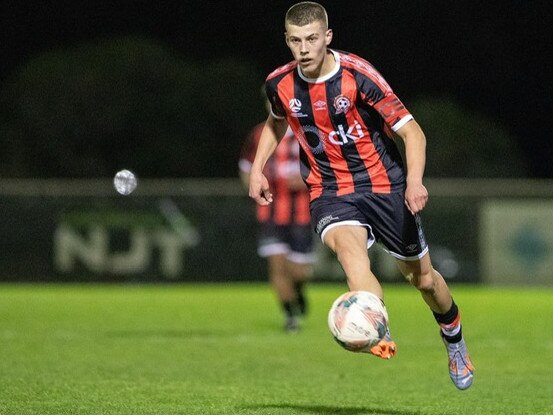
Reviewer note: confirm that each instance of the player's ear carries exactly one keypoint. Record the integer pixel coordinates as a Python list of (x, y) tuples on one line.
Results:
[(328, 36), (286, 38)]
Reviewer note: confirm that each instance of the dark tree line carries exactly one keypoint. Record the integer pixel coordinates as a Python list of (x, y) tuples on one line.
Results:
[(129, 102)]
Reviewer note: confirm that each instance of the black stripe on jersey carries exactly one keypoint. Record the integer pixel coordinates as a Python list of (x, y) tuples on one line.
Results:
[(384, 145), (304, 164), (313, 137), (272, 94), (349, 150)]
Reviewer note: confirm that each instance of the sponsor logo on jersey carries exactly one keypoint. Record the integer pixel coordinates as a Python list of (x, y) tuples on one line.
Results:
[(343, 136)]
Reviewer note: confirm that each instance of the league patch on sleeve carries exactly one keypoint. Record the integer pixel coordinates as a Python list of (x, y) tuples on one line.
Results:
[(392, 110)]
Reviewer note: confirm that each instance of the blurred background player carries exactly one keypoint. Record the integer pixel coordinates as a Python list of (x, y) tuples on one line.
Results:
[(286, 237)]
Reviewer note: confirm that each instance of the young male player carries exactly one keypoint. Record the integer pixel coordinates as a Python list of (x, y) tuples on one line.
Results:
[(343, 113), (286, 237)]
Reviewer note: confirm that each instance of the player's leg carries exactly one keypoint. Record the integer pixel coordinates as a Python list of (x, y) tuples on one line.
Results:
[(346, 231), (349, 243), (403, 236), (300, 274), (285, 290), (300, 261), (273, 247), (436, 294), (428, 281)]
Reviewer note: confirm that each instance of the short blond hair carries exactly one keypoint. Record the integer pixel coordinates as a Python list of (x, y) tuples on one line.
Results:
[(306, 12)]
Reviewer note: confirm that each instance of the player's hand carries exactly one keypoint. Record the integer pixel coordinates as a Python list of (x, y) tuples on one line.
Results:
[(259, 189), (416, 197)]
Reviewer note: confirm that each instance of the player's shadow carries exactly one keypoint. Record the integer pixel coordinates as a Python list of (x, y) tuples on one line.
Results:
[(335, 410)]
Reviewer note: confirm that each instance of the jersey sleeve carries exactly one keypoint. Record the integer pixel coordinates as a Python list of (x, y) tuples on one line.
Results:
[(376, 92), (392, 110), (277, 108)]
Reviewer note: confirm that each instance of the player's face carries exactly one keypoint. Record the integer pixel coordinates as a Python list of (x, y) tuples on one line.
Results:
[(309, 46)]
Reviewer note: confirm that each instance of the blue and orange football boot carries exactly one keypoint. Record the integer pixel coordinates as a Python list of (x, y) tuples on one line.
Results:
[(386, 348), (461, 369)]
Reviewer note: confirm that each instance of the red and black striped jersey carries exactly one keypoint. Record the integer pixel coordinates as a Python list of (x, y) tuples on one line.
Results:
[(343, 122), (290, 201)]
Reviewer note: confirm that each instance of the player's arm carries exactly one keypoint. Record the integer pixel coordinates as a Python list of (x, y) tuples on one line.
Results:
[(270, 136), (245, 179), (244, 163), (416, 194)]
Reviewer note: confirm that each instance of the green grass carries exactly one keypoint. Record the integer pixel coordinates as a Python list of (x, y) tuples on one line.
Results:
[(219, 349)]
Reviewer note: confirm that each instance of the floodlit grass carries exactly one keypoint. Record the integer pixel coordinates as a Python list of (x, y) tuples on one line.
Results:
[(219, 349)]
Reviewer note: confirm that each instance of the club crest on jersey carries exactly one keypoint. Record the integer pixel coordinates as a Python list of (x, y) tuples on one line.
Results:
[(342, 104)]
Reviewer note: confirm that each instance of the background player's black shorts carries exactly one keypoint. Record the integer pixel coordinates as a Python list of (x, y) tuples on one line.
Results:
[(386, 217), (294, 241)]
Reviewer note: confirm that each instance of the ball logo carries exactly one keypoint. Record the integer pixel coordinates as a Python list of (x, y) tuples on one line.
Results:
[(342, 104), (295, 105)]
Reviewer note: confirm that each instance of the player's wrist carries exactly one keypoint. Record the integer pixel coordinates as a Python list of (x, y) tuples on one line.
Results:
[(414, 181)]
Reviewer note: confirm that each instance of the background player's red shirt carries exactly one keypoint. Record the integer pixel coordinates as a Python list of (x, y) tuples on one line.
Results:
[(343, 122), (289, 207)]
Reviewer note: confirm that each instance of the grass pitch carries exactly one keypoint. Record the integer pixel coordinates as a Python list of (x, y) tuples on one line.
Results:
[(220, 349)]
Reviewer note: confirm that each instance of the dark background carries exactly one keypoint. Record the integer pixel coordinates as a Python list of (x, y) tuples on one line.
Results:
[(492, 57)]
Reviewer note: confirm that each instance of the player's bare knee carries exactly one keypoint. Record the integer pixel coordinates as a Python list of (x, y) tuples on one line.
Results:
[(423, 282)]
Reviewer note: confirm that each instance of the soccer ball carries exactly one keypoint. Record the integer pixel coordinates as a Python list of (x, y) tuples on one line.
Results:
[(358, 321), (125, 182)]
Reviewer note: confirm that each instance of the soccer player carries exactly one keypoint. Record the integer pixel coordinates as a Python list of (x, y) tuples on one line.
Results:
[(286, 237), (343, 113)]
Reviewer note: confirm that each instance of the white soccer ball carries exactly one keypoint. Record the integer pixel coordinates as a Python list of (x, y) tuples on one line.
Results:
[(358, 320), (125, 182)]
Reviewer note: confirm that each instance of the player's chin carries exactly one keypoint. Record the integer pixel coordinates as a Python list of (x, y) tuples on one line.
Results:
[(307, 67)]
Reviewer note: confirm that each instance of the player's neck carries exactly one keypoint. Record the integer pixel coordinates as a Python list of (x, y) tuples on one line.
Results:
[(328, 64)]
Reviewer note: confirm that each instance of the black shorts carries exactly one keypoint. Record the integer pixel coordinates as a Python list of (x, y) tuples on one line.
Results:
[(386, 217), (294, 241)]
